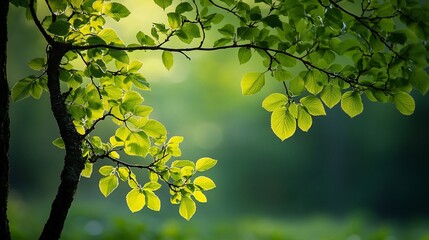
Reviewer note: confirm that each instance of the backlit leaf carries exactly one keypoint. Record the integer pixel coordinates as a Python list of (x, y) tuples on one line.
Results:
[(404, 103), (283, 124), (59, 143), (204, 164), (135, 200), (167, 59), (331, 95), (304, 119), (200, 196), (115, 10), (108, 184), (252, 83), (274, 101), (153, 202), (137, 144), (204, 183), (244, 55), (351, 103), (187, 208), (313, 105), (163, 3), (106, 170), (87, 171)]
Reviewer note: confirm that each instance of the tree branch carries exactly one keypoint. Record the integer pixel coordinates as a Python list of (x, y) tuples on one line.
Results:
[(39, 26)]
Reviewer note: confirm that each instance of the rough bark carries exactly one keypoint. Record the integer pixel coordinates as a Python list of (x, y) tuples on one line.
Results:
[(73, 161), (4, 124)]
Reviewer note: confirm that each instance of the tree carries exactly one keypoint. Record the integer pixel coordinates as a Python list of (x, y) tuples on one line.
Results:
[(343, 50)]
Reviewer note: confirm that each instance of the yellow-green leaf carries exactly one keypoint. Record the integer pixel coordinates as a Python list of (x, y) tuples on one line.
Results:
[(200, 196), (313, 105), (204, 183), (153, 186), (108, 184), (87, 171), (252, 83), (167, 59), (404, 103), (135, 200), (283, 124), (106, 170), (274, 101), (351, 103), (331, 95), (304, 119), (59, 143), (153, 202), (204, 164), (187, 208), (137, 144)]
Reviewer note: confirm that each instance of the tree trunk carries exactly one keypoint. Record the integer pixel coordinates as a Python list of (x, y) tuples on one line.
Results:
[(4, 124), (73, 161)]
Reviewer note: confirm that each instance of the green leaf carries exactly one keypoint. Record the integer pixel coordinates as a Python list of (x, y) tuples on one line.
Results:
[(274, 101), (37, 64), (222, 42), (204, 183), (21, 89), (297, 85), (59, 27), (131, 99), (154, 129), (182, 163), (174, 20), (227, 30), (313, 105), (108, 184), (134, 66), (200, 197), (404, 103), (106, 170), (204, 164), (144, 39), (110, 36), (244, 55), (312, 84), (187, 208), (283, 124), (122, 133), (137, 144), (351, 103), (124, 173), (183, 7), (192, 30), (153, 202), (152, 186), (163, 3), (120, 55), (135, 200), (420, 79), (331, 95), (304, 119), (167, 59), (59, 143), (252, 83), (273, 21), (87, 171), (115, 10)]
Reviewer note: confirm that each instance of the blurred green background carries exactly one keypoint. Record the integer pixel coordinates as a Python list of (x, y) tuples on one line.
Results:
[(351, 179)]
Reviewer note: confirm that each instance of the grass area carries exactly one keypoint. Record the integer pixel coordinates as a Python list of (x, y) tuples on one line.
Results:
[(92, 221)]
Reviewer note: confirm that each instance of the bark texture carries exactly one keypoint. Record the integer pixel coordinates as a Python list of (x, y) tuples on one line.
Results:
[(73, 161), (4, 124)]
